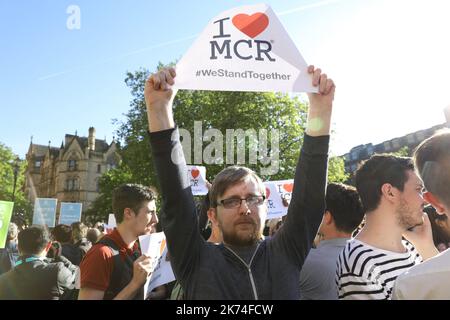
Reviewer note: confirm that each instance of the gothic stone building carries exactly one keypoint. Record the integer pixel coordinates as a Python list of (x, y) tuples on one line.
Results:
[(69, 173)]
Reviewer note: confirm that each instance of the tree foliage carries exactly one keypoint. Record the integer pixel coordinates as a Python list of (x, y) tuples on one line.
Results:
[(7, 163), (336, 170), (102, 206), (221, 111), (216, 110), (402, 152)]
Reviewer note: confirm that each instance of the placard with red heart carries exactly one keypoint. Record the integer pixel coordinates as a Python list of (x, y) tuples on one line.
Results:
[(244, 49), (195, 173), (251, 25), (197, 177)]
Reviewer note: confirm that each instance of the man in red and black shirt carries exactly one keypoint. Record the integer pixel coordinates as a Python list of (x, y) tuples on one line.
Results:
[(114, 267)]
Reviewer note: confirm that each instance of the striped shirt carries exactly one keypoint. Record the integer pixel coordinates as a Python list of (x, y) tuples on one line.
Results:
[(365, 272)]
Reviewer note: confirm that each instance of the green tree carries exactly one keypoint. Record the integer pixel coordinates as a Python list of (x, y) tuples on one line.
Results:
[(336, 170), (7, 164), (219, 110), (102, 206), (402, 152)]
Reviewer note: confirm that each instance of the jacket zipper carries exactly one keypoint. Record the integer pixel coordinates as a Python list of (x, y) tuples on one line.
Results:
[(252, 281)]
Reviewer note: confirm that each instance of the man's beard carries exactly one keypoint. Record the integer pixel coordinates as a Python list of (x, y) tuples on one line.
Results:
[(406, 218), (237, 238)]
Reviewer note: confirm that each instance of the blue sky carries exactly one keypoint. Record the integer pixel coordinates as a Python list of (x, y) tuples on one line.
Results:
[(388, 58)]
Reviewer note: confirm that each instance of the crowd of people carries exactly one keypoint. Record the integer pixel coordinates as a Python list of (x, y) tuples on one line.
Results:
[(379, 240)]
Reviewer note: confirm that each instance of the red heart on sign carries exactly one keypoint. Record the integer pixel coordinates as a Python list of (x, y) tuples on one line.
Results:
[(195, 173), (267, 193), (251, 25), (288, 187)]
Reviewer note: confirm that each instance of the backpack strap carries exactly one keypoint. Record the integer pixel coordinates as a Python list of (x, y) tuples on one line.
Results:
[(122, 270)]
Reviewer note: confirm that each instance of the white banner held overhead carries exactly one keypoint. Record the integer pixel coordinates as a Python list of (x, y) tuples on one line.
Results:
[(244, 49)]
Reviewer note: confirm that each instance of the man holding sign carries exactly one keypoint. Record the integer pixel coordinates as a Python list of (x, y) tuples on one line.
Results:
[(243, 266)]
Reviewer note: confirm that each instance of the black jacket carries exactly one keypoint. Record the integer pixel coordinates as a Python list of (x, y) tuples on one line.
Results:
[(208, 271), (38, 279)]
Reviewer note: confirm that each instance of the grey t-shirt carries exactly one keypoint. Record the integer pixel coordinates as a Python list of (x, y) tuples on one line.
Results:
[(317, 277)]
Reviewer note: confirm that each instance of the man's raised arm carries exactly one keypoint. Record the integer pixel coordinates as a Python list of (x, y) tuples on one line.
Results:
[(320, 104), (158, 98), (178, 214), (308, 198)]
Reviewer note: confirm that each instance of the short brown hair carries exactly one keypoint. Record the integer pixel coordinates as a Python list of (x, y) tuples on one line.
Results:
[(432, 160), (131, 196), (378, 170), (229, 177), (345, 206)]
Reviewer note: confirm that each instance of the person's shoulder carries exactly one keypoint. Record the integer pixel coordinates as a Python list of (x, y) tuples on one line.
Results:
[(356, 253), (47, 268), (351, 246), (101, 248), (56, 266), (439, 264), (99, 251)]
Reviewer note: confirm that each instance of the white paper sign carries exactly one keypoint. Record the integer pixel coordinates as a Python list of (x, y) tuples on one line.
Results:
[(276, 191), (112, 220), (108, 228), (244, 49), (197, 177), (154, 246)]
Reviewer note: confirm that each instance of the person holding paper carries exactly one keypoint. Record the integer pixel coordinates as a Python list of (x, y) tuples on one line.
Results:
[(114, 267), (244, 266)]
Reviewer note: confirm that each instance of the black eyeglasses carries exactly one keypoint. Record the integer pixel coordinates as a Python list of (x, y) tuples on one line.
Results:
[(233, 203)]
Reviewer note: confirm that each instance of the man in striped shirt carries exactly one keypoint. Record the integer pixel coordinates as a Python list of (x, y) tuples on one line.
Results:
[(391, 193)]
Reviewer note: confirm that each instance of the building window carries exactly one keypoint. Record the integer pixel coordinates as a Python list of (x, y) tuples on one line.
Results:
[(99, 168), (37, 164), (71, 184), (72, 165)]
